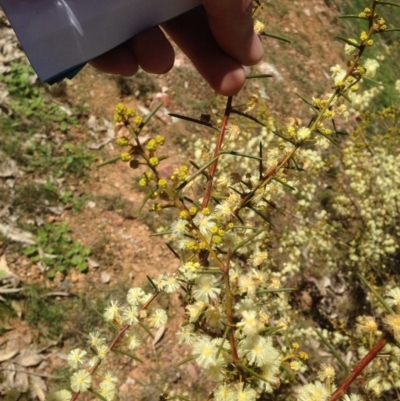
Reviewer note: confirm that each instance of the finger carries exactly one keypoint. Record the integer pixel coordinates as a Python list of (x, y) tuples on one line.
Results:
[(119, 60), (192, 34), (153, 51), (232, 25)]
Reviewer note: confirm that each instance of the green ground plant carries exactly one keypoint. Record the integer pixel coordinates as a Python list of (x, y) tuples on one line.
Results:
[(28, 100), (57, 251), (46, 314), (29, 112), (261, 205)]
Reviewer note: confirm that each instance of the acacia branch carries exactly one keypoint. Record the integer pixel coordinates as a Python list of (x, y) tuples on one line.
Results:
[(218, 147)]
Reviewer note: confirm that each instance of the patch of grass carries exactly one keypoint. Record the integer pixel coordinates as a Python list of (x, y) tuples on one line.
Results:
[(71, 317), (6, 313), (78, 202), (30, 110), (33, 198), (118, 204), (46, 314), (27, 100), (70, 159), (279, 8), (56, 249), (74, 160), (88, 314), (103, 252), (112, 203), (63, 375)]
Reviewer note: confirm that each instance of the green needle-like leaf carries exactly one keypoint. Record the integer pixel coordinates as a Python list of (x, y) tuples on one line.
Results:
[(259, 76), (210, 271), (328, 137), (270, 35), (349, 42), (109, 161), (307, 101), (194, 120), (273, 290), (248, 239), (378, 296), (196, 166), (227, 328), (351, 16), (244, 228), (146, 329), (389, 3), (152, 283), (284, 137), (284, 183), (150, 115), (160, 234), (173, 251), (265, 218), (333, 350), (234, 153), (144, 201), (120, 351), (186, 360), (248, 370), (198, 172), (288, 372), (373, 81), (390, 29), (96, 394), (234, 111)]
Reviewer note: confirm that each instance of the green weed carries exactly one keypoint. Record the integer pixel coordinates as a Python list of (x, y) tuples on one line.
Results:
[(27, 100), (70, 159), (56, 249), (34, 199), (46, 314)]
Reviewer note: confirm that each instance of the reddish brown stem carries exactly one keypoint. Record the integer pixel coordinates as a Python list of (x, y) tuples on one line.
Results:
[(213, 167), (115, 342), (341, 391)]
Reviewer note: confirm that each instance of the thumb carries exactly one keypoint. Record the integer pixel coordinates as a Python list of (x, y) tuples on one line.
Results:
[(231, 23)]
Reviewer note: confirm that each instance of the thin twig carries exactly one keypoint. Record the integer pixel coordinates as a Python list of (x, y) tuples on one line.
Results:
[(218, 147)]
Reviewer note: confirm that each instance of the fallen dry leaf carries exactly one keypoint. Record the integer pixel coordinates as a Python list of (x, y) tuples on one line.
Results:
[(5, 356), (38, 387), (159, 335), (30, 360)]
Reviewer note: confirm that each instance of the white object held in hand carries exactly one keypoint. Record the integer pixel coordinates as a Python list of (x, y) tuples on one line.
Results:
[(60, 36)]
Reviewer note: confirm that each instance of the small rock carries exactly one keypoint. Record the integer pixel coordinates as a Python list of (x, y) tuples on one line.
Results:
[(92, 123), (105, 277), (93, 263)]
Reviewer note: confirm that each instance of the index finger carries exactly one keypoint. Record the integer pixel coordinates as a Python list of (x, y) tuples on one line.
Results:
[(232, 25)]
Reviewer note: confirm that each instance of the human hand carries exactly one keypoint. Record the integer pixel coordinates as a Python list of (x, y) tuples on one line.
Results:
[(219, 39)]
